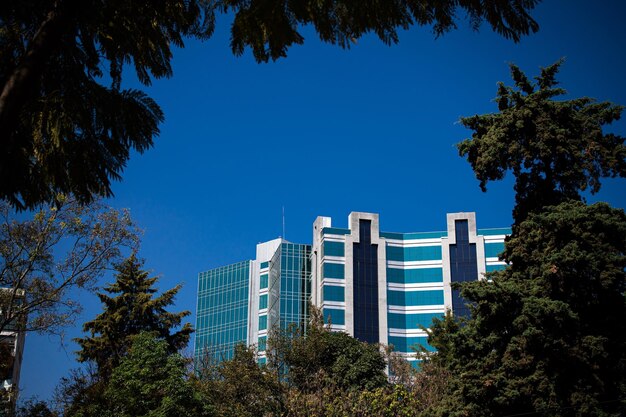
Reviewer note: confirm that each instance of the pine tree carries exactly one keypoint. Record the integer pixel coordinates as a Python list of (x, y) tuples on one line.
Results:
[(131, 308)]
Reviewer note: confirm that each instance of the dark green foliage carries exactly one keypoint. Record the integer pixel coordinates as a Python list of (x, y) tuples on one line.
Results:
[(34, 408), (555, 149), (269, 28), (329, 401), (547, 335), (68, 126), (317, 373), (320, 353), (64, 126), (240, 387), (81, 393), (133, 309), (150, 381)]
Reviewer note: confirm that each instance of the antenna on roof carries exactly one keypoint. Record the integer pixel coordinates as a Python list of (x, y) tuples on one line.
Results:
[(284, 237)]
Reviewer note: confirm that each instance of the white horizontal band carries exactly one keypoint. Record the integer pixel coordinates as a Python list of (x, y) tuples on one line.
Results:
[(434, 263), (334, 259), (334, 281), (414, 243), (434, 309), (494, 238), (334, 304), (422, 286), (333, 239), (408, 332)]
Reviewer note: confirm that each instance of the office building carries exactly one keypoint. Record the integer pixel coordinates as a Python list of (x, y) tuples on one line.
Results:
[(380, 287), (238, 303), (11, 347), (384, 287)]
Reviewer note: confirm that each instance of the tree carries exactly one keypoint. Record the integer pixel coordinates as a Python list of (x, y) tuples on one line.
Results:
[(34, 408), (547, 335), (44, 258), (81, 393), (555, 149), (134, 308), (270, 28), (239, 387), (151, 381), (66, 123), (321, 354), (331, 401), (62, 128)]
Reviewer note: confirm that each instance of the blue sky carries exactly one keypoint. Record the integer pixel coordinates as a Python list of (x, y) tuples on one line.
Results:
[(328, 131)]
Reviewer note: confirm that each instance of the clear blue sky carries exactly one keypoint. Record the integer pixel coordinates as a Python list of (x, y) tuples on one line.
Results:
[(241, 140)]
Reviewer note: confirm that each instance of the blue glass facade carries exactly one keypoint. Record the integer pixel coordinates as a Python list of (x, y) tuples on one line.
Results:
[(222, 314), (284, 290), (381, 287), (240, 303), (292, 268), (365, 287), (463, 266)]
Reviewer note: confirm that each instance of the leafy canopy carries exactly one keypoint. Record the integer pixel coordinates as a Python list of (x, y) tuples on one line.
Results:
[(555, 149), (151, 381), (67, 124), (239, 387), (269, 28), (49, 254), (338, 358)]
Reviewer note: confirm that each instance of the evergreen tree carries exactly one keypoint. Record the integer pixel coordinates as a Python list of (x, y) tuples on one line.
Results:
[(270, 28), (65, 122), (133, 308), (547, 335), (555, 149)]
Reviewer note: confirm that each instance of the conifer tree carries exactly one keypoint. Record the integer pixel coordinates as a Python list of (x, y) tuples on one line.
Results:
[(131, 307), (546, 336), (555, 149)]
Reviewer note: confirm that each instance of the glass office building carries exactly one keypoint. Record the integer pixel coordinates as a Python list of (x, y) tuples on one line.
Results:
[(222, 312), (383, 287), (380, 287), (240, 303), (288, 285)]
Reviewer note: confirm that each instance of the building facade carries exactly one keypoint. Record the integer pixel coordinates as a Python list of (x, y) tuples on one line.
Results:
[(384, 287), (12, 339), (238, 303), (380, 287)]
